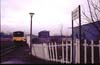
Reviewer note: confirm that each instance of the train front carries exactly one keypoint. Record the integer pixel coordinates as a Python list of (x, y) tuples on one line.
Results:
[(19, 38)]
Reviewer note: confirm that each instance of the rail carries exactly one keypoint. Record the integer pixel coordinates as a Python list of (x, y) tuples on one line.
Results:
[(7, 50)]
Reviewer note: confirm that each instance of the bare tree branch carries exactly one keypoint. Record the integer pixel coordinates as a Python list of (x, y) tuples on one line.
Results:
[(92, 17), (87, 17), (61, 29), (90, 11), (93, 4), (96, 7), (99, 2), (94, 10)]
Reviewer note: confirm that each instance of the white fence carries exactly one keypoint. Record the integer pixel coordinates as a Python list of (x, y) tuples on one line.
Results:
[(63, 52)]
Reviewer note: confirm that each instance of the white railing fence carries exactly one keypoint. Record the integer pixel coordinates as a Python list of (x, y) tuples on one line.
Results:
[(63, 52)]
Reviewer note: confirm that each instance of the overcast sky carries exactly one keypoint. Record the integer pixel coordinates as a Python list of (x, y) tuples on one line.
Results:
[(49, 15)]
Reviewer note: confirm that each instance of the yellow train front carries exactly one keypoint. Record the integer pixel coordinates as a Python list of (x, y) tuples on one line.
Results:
[(19, 38)]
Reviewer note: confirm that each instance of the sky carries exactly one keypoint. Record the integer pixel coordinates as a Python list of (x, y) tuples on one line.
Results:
[(50, 15)]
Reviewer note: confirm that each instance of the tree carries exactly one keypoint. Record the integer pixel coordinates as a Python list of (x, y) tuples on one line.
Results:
[(94, 14)]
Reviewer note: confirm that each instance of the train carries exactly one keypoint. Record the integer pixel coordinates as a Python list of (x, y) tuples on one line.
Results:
[(11, 42), (19, 37)]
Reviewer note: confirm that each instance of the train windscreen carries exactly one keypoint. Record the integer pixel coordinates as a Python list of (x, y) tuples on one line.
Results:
[(18, 34)]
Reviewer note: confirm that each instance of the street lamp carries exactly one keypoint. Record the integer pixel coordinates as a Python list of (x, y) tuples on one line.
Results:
[(31, 14)]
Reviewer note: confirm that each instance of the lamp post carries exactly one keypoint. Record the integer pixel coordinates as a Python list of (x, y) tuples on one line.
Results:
[(31, 14)]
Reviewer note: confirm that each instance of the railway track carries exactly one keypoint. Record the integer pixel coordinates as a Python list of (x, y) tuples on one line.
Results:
[(7, 50)]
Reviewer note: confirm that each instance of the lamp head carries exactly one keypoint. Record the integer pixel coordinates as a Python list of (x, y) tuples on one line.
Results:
[(31, 14)]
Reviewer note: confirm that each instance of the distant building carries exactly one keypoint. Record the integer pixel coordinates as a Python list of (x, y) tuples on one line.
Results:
[(44, 34), (44, 37), (1, 34), (58, 39), (35, 40), (88, 31), (5, 37)]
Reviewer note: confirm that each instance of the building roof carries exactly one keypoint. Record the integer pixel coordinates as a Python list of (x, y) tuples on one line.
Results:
[(97, 23)]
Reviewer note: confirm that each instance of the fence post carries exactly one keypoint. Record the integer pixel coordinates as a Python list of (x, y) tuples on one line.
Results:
[(56, 51), (62, 52), (71, 51), (46, 53), (92, 52), (85, 45), (50, 56), (66, 52), (33, 50), (53, 52), (77, 51)]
